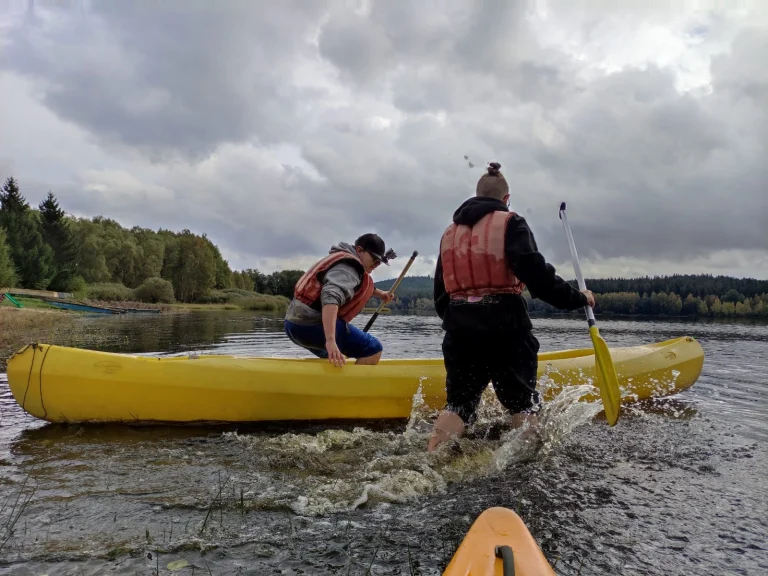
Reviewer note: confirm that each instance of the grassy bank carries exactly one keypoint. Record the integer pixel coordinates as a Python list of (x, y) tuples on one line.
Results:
[(20, 326), (216, 300)]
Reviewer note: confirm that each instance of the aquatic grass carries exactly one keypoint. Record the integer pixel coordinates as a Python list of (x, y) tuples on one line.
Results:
[(201, 307), (9, 524), (450, 540), (218, 499), (262, 303), (121, 304), (20, 326), (413, 565), (373, 558), (239, 299)]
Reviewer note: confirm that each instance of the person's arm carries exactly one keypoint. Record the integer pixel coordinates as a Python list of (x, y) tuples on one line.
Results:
[(330, 313), (439, 294), (532, 269), (339, 286)]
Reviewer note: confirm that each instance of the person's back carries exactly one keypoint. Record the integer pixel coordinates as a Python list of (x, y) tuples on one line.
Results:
[(488, 257)]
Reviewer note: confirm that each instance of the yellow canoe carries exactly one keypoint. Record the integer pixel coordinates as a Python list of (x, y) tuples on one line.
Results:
[(62, 384), (498, 544)]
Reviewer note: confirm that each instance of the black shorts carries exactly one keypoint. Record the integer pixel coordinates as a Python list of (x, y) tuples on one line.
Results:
[(471, 363)]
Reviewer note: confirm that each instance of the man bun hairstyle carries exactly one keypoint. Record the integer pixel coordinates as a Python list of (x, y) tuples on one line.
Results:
[(493, 184)]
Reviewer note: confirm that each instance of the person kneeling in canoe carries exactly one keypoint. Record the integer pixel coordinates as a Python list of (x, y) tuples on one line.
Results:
[(487, 258), (330, 294)]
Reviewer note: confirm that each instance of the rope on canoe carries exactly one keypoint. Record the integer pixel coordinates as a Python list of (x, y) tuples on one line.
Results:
[(35, 346), (29, 378), (507, 560), (40, 379)]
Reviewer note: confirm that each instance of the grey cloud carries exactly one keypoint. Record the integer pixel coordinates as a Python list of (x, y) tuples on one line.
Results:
[(442, 59), (656, 174), (747, 76), (647, 172), (360, 50), (179, 79)]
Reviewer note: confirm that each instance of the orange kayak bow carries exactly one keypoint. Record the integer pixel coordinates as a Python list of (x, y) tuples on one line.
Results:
[(499, 544)]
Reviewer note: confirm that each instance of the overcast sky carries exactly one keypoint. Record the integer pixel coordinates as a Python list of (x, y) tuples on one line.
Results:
[(280, 128)]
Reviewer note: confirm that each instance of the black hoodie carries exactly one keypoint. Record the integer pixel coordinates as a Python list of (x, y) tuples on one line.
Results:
[(508, 315)]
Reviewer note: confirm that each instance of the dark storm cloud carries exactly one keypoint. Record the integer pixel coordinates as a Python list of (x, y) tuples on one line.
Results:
[(169, 76)]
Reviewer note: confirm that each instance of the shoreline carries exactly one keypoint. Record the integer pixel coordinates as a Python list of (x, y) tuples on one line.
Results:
[(38, 321), (20, 326)]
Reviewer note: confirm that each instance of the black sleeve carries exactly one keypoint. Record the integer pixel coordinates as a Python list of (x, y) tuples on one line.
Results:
[(532, 269), (440, 296)]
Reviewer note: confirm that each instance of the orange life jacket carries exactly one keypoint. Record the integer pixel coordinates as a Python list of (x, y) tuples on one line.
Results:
[(309, 286), (473, 258)]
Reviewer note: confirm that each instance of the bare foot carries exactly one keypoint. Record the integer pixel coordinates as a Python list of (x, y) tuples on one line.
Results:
[(447, 426), (530, 422)]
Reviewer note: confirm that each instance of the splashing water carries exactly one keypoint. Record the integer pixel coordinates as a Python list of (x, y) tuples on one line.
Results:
[(339, 470)]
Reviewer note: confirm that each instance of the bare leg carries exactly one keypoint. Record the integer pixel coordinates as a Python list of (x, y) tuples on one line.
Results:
[(369, 360), (447, 426), (519, 419)]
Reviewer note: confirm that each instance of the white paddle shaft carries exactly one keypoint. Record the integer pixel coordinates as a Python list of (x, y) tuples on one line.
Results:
[(575, 258)]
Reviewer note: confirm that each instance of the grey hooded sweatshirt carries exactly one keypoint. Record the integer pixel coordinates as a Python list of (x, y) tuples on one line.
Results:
[(339, 285)]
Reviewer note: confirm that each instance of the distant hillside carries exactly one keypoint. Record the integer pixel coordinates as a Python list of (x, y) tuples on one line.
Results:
[(700, 285), (679, 294), (419, 286)]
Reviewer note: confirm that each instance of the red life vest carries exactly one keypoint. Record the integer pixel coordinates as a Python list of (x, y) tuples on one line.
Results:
[(473, 258), (309, 286)]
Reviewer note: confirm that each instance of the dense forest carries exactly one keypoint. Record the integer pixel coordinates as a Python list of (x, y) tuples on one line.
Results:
[(676, 295), (44, 248)]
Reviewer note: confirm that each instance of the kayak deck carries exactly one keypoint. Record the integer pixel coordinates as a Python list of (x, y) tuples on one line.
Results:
[(498, 544), (62, 384)]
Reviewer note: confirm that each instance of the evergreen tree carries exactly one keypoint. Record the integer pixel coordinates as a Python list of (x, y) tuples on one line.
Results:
[(11, 200), (31, 255), (8, 277), (57, 234)]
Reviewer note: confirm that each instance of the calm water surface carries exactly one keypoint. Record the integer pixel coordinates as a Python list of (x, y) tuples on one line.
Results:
[(678, 487)]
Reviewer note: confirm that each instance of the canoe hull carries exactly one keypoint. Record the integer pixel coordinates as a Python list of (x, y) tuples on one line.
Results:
[(81, 307), (497, 526), (61, 384)]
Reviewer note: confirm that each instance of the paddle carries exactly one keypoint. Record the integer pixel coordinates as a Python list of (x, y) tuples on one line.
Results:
[(605, 373), (392, 290)]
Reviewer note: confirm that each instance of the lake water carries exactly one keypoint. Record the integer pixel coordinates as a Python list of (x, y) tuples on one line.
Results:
[(678, 487)]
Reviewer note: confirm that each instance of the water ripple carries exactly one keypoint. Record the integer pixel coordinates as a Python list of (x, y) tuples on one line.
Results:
[(678, 487)]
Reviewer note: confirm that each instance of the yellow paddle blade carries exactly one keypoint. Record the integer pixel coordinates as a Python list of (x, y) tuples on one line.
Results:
[(606, 377)]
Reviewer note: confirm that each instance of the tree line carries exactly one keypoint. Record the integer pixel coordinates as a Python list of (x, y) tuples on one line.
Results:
[(43, 248), (675, 295)]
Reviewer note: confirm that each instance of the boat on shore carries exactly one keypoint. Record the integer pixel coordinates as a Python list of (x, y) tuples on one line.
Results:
[(62, 384), (78, 307)]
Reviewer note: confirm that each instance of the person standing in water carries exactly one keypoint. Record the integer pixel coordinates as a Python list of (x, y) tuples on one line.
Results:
[(488, 256)]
